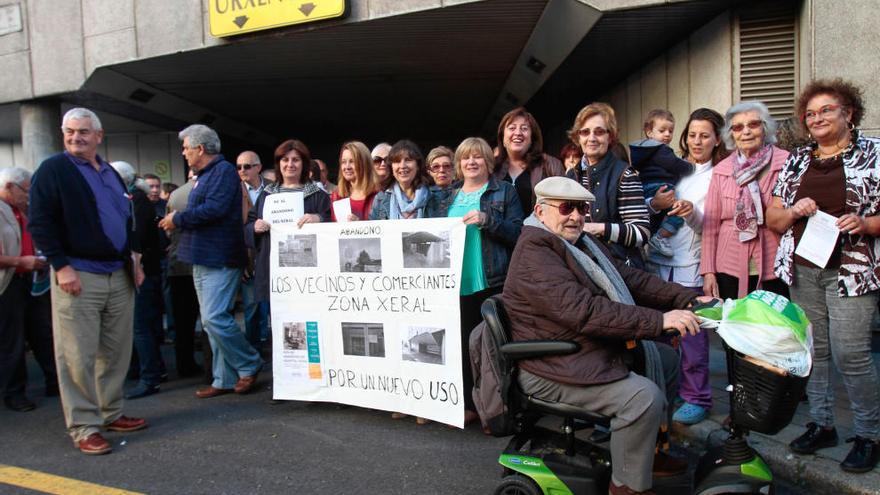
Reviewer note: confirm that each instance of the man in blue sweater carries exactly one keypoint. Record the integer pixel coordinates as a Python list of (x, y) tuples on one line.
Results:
[(81, 220), (212, 240)]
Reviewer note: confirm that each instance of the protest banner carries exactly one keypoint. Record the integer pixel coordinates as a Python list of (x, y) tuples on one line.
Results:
[(367, 314)]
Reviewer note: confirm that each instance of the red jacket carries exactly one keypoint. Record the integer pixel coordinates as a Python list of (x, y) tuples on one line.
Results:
[(548, 296)]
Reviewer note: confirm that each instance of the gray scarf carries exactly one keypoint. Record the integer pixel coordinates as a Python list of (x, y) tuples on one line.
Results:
[(604, 274)]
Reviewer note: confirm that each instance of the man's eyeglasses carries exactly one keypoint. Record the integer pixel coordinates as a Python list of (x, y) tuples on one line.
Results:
[(26, 191), (598, 132), (752, 124), (378, 159), (824, 112), (566, 207), (246, 166)]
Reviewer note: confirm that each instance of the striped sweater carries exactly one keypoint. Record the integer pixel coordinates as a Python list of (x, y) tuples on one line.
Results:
[(634, 228)]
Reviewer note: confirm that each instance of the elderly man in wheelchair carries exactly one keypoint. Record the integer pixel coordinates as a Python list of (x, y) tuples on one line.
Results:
[(564, 285)]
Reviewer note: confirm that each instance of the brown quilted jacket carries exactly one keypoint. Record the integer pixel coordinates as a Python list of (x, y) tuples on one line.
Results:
[(549, 297)]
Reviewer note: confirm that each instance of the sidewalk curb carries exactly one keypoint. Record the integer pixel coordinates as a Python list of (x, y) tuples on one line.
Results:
[(814, 473)]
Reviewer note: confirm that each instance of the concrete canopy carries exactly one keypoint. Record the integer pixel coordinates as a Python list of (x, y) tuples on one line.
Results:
[(434, 76)]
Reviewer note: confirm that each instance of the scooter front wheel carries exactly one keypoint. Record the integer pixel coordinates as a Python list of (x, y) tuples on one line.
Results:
[(517, 484)]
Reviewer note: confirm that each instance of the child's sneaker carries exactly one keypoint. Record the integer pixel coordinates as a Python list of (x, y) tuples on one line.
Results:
[(661, 245)]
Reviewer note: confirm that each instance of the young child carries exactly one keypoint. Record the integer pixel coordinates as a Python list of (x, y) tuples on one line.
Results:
[(658, 167)]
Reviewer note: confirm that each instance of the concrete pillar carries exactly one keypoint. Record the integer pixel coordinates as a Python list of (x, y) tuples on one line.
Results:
[(40, 131)]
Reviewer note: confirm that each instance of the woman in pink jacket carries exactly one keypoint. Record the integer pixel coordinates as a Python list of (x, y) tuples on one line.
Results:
[(738, 248)]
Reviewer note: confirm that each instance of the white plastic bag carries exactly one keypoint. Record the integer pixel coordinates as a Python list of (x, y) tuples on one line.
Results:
[(768, 327)]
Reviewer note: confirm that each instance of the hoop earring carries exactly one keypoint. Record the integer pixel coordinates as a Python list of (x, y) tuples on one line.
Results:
[(850, 126)]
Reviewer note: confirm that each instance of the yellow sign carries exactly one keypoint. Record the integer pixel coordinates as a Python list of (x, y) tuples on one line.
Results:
[(231, 17)]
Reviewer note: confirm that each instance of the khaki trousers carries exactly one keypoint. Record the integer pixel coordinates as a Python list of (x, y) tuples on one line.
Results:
[(93, 342), (636, 407)]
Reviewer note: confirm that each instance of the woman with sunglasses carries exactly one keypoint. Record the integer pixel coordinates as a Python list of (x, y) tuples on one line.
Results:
[(738, 248), (619, 215), (492, 212), (440, 166), (521, 160), (836, 173), (292, 161), (356, 181), (381, 165)]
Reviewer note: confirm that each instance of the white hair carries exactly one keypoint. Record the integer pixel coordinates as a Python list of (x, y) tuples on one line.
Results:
[(768, 122), (380, 148), (13, 175), (203, 135), (80, 113), (126, 171), (142, 185)]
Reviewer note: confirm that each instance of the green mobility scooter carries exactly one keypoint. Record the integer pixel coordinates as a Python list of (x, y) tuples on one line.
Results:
[(552, 460)]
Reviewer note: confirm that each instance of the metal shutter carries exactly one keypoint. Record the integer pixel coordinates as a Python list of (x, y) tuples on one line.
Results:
[(767, 47)]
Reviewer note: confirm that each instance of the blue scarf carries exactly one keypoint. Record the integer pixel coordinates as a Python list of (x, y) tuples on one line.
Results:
[(400, 204)]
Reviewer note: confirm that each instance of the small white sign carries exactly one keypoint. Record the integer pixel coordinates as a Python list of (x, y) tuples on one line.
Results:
[(283, 208), (342, 209), (819, 239), (10, 19)]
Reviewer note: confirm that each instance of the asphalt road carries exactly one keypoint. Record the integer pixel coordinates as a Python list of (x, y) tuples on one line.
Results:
[(246, 445)]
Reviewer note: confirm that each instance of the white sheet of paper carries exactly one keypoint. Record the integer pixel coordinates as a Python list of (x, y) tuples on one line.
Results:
[(342, 209), (283, 208), (819, 239)]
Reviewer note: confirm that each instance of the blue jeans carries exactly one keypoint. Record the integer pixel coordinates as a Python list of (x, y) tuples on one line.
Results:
[(147, 319), (234, 357), (842, 333), (669, 224)]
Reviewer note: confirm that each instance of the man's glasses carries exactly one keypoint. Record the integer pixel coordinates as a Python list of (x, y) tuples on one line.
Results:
[(566, 207), (26, 191), (752, 124), (246, 166), (378, 159), (598, 132)]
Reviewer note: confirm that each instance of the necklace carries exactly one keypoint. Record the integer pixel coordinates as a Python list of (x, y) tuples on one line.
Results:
[(839, 148)]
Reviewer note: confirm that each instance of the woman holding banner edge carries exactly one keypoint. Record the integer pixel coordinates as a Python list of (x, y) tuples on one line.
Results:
[(293, 176), (493, 214)]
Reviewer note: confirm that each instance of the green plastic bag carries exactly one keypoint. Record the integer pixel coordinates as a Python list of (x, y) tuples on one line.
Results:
[(765, 326)]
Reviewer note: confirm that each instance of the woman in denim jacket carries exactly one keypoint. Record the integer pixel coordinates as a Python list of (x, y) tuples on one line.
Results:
[(491, 209)]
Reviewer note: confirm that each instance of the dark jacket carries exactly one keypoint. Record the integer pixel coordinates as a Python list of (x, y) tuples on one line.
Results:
[(147, 232), (318, 203), (657, 163), (504, 222), (525, 183), (548, 296), (64, 218), (211, 226)]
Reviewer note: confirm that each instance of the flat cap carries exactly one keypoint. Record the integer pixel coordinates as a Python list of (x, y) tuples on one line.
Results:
[(562, 188)]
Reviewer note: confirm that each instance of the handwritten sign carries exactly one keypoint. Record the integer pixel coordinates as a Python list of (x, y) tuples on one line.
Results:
[(283, 208)]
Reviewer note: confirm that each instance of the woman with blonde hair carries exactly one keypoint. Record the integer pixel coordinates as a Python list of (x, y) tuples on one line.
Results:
[(356, 180), (492, 212)]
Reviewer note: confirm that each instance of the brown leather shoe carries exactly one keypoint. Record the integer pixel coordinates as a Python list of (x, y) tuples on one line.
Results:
[(210, 391), (665, 465), (126, 424), (625, 490), (245, 384), (94, 444)]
